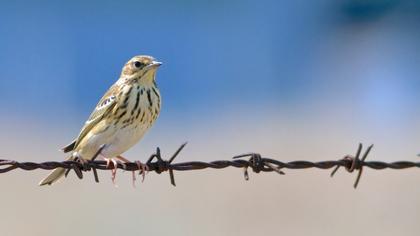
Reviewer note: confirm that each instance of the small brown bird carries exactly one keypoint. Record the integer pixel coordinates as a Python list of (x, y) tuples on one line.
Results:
[(121, 118)]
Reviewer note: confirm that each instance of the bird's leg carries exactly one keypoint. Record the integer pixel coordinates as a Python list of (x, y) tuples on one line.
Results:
[(108, 161), (115, 161), (108, 165), (121, 158), (143, 169)]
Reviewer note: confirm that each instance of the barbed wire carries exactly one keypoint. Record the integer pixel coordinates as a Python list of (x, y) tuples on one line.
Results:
[(254, 161)]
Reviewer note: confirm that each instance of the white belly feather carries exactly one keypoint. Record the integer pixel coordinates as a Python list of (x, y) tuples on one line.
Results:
[(124, 139), (118, 138)]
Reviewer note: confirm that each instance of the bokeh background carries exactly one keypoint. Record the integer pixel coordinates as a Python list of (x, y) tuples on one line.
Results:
[(288, 79)]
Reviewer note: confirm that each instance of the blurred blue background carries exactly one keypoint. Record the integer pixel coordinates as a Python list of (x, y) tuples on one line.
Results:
[(218, 54), (292, 79)]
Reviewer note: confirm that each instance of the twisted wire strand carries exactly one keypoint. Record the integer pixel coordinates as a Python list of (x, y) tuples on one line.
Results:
[(253, 161)]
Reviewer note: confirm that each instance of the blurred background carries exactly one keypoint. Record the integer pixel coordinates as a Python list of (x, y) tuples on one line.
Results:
[(288, 79)]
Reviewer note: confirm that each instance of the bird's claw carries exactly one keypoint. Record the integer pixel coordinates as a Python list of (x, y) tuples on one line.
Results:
[(143, 170), (114, 166)]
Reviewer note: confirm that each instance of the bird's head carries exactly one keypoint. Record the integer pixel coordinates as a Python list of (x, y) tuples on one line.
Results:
[(141, 69)]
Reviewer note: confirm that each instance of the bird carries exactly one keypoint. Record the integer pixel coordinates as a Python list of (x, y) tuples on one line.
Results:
[(120, 119)]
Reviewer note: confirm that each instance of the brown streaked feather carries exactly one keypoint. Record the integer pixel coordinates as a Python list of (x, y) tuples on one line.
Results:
[(102, 109), (69, 147)]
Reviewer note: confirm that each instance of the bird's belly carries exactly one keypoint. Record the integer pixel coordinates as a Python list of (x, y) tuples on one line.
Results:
[(120, 135), (123, 140)]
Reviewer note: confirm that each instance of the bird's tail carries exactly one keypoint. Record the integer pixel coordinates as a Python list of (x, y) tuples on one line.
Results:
[(54, 176)]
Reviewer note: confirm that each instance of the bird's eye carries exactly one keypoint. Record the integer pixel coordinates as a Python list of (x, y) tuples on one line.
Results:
[(138, 64)]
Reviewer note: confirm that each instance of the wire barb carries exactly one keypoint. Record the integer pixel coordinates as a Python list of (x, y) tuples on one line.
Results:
[(255, 161), (257, 164), (162, 165), (354, 163)]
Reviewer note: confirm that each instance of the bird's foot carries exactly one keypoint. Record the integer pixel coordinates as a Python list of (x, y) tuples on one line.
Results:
[(115, 161), (143, 170)]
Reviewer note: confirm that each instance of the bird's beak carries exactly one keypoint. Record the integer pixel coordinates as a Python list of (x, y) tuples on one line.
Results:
[(157, 63), (154, 64)]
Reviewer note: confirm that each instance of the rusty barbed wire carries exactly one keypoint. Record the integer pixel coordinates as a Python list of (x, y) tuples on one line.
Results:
[(255, 161)]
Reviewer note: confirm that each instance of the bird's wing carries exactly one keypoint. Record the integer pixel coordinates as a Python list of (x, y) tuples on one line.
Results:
[(69, 147), (102, 109)]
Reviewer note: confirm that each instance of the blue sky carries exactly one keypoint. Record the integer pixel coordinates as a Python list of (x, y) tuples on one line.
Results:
[(276, 55)]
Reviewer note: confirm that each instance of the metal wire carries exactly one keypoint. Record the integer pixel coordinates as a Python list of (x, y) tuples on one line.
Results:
[(251, 160)]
